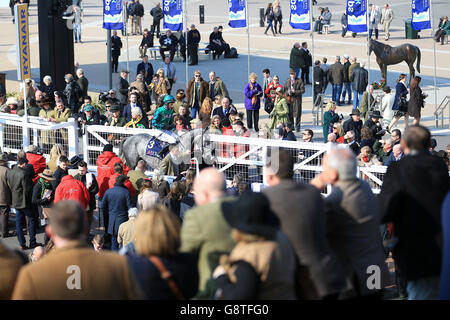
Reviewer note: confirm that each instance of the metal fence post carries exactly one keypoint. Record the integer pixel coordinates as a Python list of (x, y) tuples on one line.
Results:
[(2, 142), (72, 135), (85, 146), (264, 165)]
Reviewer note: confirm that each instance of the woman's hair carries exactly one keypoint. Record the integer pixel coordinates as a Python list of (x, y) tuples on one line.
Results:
[(340, 129), (146, 184), (176, 191), (47, 78), (56, 151), (269, 5), (190, 176), (157, 176), (157, 232), (329, 105), (252, 75), (161, 70), (415, 83), (365, 150), (366, 134), (214, 118), (207, 106), (239, 236), (401, 77)]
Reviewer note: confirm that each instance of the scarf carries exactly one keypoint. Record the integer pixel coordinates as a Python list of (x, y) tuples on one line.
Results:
[(44, 186), (365, 159), (134, 122)]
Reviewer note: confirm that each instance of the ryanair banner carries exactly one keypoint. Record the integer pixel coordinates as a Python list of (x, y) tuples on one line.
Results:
[(22, 41), (421, 14), (173, 15), (237, 16), (112, 14), (300, 18), (357, 15)]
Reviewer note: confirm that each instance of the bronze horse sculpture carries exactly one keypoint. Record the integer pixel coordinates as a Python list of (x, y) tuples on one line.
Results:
[(387, 55)]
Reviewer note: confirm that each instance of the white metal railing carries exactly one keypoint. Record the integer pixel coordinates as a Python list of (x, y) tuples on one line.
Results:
[(16, 135)]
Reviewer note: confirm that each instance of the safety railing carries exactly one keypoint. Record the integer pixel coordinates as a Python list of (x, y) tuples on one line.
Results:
[(440, 110), (16, 134)]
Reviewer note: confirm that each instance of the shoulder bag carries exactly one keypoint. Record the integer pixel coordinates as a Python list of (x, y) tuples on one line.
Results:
[(167, 276)]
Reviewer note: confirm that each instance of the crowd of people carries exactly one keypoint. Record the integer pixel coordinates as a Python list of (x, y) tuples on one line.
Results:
[(227, 243)]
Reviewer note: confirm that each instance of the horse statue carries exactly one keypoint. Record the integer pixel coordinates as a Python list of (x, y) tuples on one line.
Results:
[(152, 147), (387, 55)]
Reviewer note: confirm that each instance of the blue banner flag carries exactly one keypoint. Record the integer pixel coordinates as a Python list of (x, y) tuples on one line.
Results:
[(421, 14), (173, 15), (112, 14), (357, 15), (300, 17), (237, 17)]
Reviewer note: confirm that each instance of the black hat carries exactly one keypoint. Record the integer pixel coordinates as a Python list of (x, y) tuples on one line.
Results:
[(355, 112), (115, 108), (375, 114), (108, 147), (251, 214), (74, 162)]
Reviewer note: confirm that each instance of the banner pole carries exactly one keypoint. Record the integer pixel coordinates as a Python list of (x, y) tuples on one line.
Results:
[(368, 57), (25, 139), (312, 50), (434, 57), (186, 41), (126, 34), (248, 37)]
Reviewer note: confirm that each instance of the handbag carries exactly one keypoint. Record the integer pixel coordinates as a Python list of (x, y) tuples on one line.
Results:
[(167, 276), (268, 105), (402, 103)]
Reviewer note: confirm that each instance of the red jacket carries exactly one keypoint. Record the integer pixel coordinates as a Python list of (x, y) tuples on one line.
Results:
[(71, 189), (105, 168), (38, 163), (127, 184)]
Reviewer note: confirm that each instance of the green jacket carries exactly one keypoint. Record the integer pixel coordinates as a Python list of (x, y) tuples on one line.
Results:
[(350, 69), (121, 122), (446, 28), (328, 119), (134, 176), (364, 105), (206, 232), (34, 111), (296, 59), (280, 113), (380, 153), (65, 115), (219, 88)]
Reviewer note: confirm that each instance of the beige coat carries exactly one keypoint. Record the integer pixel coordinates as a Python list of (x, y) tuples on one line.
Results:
[(103, 276), (147, 200), (126, 232), (10, 264), (5, 192)]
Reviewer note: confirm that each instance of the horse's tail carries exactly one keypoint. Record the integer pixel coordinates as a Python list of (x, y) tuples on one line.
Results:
[(418, 59)]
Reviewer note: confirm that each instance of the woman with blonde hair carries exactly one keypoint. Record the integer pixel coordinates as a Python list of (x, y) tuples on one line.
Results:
[(338, 130), (366, 158), (329, 118), (278, 16), (215, 127), (205, 112), (160, 84), (56, 151), (280, 112), (160, 270), (253, 93)]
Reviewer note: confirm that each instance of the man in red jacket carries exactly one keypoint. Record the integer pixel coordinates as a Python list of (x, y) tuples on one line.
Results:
[(105, 168), (36, 160), (71, 189)]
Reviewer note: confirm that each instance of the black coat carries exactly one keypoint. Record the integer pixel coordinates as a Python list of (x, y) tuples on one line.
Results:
[(359, 79), (138, 10), (290, 136), (58, 175), (415, 103), (346, 67), (73, 94), (93, 190), (349, 124), (116, 45), (48, 91), (318, 76), (182, 267), (374, 128), (157, 14), (141, 69), (193, 37), (122, 90), (21, 188), (411, 197), (168, 42)]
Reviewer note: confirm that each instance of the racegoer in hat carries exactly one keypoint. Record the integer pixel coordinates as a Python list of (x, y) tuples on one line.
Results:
[(43, 195), (354, 124), (374, 124)]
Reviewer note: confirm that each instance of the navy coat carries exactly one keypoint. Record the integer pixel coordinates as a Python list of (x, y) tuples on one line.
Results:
[(116, 203), (400, 90)]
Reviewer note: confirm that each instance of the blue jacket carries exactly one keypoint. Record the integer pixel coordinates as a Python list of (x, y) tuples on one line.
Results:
[(116, 203), (391, 159), (290, 137), (249, 93), (445, 275), (400, 90)]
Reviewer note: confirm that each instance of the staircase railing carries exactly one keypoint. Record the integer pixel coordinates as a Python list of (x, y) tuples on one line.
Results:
[(445, 103)]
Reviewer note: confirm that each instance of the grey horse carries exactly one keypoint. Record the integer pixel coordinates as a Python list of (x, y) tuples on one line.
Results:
[(192, 144)]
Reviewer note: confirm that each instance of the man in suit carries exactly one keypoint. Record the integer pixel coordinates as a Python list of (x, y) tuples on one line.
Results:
[(197, 91), (205, 230), (146, 69), (170, 71), (171, 165), (294, 89), (387, 15), (411, 198), (82, 82), (116, 203), (216, 87), (374, 20), (225, 110), (122, 88), (318, 75), (67, 273), (321, 273), (307, 58), (352, 224), (169, 43), (116, 45)]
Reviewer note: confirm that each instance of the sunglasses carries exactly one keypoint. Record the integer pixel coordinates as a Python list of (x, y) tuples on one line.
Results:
[(305, 133), (197, 76)]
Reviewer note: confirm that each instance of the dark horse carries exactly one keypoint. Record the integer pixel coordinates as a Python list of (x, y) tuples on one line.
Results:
[(387, 55)]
